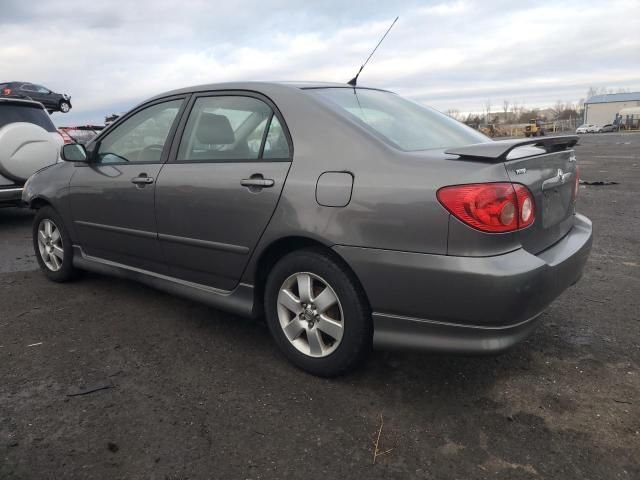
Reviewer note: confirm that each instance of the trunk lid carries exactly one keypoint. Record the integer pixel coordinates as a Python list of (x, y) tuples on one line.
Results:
[(551, 178)]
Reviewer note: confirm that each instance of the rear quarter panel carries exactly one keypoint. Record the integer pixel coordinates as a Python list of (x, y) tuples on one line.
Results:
[(393, 204)]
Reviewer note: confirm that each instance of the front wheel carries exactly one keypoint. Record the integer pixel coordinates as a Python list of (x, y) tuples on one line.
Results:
[(53, 246), (317, 313), (65, 107)]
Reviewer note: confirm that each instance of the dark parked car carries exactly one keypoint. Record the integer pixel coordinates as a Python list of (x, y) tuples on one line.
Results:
[(53, 102), (608, 128), (346, 216)]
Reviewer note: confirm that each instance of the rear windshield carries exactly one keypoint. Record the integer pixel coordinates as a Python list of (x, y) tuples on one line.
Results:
[(10, 113), (401, 122)]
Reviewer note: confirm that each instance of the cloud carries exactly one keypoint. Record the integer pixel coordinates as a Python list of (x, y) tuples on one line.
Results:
[(111, 55), (449, 8)]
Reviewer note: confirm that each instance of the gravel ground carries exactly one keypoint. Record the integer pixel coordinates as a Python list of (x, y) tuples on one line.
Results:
[(188, 392)]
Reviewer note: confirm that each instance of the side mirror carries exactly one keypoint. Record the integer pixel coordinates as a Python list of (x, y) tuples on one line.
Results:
[(74, 152)]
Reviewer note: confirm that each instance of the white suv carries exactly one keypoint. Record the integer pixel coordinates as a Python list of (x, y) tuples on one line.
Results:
[(28, 142)]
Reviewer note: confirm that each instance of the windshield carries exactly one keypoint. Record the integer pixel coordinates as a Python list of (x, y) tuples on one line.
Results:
[(403, 123)]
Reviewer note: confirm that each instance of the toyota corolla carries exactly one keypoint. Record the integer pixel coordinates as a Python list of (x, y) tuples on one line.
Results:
[(346, 217)]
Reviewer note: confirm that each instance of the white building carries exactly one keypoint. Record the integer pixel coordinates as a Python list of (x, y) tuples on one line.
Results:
[(602, 109)]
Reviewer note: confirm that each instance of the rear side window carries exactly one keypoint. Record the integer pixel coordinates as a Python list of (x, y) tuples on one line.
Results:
[(19, 113), (276, 145), (226, 128), (407, 125)]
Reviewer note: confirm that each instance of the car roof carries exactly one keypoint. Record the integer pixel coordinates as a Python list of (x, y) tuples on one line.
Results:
[(21, 101), (258, 86)]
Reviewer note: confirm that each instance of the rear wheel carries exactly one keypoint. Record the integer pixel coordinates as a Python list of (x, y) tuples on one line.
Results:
[(317, 313), (52, 246)]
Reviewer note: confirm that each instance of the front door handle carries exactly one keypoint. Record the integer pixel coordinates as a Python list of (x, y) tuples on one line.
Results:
[(142, 180), (257, 181)]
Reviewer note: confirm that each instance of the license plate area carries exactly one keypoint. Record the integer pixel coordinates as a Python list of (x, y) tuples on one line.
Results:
[(556, 205)]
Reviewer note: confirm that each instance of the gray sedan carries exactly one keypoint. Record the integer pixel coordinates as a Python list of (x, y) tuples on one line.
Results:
[(346, 217)]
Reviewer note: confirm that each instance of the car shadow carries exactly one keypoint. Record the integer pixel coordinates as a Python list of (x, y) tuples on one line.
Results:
[(385, 372), (15, 217)]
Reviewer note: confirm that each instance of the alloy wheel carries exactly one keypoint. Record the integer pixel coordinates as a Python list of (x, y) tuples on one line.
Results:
[(50, 244), (310, 314)]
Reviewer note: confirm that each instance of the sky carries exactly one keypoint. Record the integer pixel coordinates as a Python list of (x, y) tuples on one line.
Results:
[(110, 56)]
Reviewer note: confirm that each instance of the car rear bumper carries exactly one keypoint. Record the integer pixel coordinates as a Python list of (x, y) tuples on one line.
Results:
[(465, 304), (10, 196)]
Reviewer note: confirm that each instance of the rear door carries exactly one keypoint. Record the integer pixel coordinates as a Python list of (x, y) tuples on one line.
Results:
[(215, 196), (112, 198), (552, 179)]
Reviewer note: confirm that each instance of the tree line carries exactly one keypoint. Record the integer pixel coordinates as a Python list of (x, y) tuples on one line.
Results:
[(513, 112)]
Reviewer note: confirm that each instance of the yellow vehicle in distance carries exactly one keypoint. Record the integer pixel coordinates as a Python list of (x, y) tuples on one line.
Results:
[(534, 128)]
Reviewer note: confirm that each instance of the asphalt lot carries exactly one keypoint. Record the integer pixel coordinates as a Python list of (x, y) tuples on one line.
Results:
[(196, 393)]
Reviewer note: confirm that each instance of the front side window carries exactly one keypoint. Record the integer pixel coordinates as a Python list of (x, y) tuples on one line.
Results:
[(141, 137), (403, 123), (224, 128)]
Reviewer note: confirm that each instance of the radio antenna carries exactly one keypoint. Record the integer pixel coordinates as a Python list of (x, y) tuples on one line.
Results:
[(354, 80)]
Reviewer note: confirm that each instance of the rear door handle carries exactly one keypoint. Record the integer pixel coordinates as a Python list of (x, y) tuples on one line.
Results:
[(142, 179), (257, 181)]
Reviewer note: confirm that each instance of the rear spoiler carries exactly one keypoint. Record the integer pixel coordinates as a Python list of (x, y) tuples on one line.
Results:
[(498, 151)]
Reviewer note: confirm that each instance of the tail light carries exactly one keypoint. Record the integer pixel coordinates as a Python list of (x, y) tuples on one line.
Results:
[(490, 207), (65, 136), (6, 91)]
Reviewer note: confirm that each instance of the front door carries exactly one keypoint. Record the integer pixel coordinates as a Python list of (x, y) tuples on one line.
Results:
[(112, 198), (215, 196)]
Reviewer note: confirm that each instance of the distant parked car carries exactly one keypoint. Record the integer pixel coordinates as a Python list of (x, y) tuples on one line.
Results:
[(53, 102), (609, 127), (28, 142), (587, 128)]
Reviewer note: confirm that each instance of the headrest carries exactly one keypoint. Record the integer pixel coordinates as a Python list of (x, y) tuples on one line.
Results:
[(215, 130)]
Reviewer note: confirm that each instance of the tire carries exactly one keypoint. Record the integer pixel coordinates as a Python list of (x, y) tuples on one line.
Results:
[(526, 135), (55, 268), (350, 310), (64, 106)]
